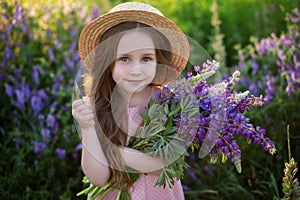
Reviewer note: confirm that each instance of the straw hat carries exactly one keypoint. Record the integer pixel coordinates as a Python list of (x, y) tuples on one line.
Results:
[(139, 12)]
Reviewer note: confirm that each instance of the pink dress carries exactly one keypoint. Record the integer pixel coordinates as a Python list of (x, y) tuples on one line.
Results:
[(144, 188)]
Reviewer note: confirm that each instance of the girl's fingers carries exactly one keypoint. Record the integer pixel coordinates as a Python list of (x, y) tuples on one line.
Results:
[(76, 103), (85, 100), (82, 109)]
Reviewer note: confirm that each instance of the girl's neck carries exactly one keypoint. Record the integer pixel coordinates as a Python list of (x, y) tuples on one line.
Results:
[(139, 98)]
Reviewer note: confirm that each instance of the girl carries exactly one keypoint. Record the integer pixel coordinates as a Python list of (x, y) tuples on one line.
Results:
[(129, 53)]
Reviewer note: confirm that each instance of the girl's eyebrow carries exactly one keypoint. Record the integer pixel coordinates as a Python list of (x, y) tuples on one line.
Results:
[(123, 55), (128, 55), (149, 54)]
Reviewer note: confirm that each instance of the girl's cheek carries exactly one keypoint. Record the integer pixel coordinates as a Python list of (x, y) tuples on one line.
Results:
[(117, 73)]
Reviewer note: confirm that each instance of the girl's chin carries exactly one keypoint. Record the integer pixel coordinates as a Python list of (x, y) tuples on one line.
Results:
[(136, 90)]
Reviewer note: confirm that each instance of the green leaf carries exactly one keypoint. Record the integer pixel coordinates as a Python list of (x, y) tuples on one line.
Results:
[(161, 180), (181, 104), (200, 77), (123, 195), (95, 193), (134, 177), (192, 112), (175, 111)]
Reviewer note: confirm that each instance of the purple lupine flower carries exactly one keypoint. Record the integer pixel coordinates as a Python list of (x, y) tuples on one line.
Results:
[(255, 66), (66, 136), (61, 153), (20, 102), (269, 146), (272, 7), (2, 77), (208, 170), (18, 14), (5, 16), (294, 19), (38, 147), (281, 55), (53, 105), (297, 12), (296, 60), (36, 104), (270, 90), (192, 174), (41, 119), (58, 44), (8, 55), (73, 46), (265, 45), (35, 76), (17, 142), (51, 120), (95, 12), (196, 68), (9, 90), (76, 58), (185, 188), (189, 74), (287, 41), (64, 108), (25, 29), (166, 90), (57, 82), (17, 72), (26, 90), (48, 34), (51, 55), (76, 150), (46, 134), (43, 94), (74, 31), (55, 128), (69, 62)]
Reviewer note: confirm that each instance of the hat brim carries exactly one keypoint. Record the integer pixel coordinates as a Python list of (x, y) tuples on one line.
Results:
[(179, 43)]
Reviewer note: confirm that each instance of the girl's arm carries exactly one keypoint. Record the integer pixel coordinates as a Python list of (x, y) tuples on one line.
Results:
[(142, 162), (93, 161)]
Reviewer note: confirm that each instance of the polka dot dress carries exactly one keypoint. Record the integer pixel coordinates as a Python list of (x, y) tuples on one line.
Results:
[(144, 188)]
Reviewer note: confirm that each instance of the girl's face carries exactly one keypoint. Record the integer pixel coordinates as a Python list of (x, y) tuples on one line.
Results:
[(135, 65)]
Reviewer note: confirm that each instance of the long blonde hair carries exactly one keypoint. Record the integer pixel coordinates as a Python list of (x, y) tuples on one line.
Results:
[(100, 85)]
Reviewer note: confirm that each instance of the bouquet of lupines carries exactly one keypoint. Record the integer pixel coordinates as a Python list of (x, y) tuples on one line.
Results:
[(190, 113)]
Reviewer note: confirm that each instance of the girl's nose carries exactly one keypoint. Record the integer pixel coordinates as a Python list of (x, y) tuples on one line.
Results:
[(136, 67)]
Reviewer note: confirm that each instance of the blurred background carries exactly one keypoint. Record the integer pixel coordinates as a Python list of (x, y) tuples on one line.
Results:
[(40, 148)]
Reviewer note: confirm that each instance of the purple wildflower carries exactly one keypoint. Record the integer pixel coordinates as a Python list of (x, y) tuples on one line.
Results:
[(74, 31), (20, 102), (61, 153), (51, 121), (35, 76), (95, 12), (36, 104), (76, 150), (38, 147), (9, 90), (41, 119), (51, 55), (192, 174), (43, 94), (17, 142), (45, 134)]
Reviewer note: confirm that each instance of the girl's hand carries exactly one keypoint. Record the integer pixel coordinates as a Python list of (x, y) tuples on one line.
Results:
[(83, 113)]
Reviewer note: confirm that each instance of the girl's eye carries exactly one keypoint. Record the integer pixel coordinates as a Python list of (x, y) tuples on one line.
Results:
[(124, 59), (147, 59)]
